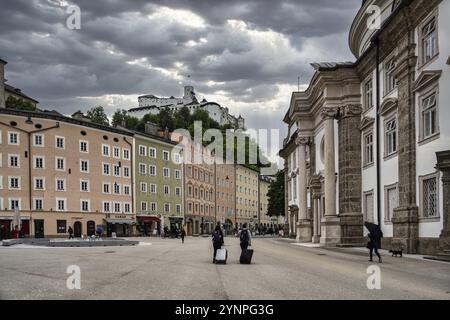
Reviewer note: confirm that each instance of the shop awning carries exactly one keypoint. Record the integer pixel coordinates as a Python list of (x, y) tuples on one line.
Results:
[(148, 218), (120, 221)]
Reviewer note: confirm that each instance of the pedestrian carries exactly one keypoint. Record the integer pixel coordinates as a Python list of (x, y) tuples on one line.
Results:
[(15, 233), (70, 231), (375, 235), (245, 237), (99, 230), (217, 240), (183, 234)]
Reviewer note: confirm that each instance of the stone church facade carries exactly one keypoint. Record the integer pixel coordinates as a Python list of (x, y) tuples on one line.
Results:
[(368, 140)]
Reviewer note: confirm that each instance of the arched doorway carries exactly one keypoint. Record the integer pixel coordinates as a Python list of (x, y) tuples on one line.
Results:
[(90, 228), (77, 229)]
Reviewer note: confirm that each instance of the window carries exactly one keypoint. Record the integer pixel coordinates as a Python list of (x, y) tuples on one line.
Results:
[(126, 172), (39, 184), (106, 206), (84, 165), (85, 205), (391, 201), (14, 161), (368, 94), (106, 169), (142, 168), (429, 116), (153, 188), (38, 140), (143, 206), (60, 142), (177, 158), (142, 151), (390, 137), (60, 184), (61, 226), (83, 146), (126, 154), (84, 185), (38, 162), (167, 207), (178, 174), (126, 190), (368, 149), (368, 206), (105, 150), (178, 208), (14, 203), (166, 172), (391, 82), (61, 204), (166, 190), (106, 188), (14, 183), (429, 201), (13, 138), (116, 188), (152, 170), (166, 155), (429, 41), (143, 187), (38, 204), (153, 206), (60, 164), (178, 191), (126, 207), (117, 207), (152, 153), (116, 171), (116, 152)]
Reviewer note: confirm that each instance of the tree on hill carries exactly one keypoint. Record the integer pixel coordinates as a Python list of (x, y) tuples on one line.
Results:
[(20, 104), (98, 115)]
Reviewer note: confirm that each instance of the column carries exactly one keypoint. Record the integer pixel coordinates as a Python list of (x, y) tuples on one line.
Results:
[(443, 164), (350, 179), (316, 218), (304, 232), (331, 231)]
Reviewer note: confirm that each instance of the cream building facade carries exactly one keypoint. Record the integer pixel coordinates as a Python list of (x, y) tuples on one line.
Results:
[(367, 140), (60, 172), (246, 196)]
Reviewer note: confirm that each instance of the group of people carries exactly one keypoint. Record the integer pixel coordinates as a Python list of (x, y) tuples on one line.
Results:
[(16, 233), (244, 234)]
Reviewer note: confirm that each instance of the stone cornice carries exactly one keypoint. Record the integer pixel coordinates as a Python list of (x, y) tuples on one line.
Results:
[(350, 110), (426, 78), (366, 123), (330, 112), (302, 140)]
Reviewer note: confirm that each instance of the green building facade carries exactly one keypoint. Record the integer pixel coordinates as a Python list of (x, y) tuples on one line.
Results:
[(158, 185)]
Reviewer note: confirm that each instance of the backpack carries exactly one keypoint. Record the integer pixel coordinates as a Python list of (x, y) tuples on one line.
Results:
[(244, 236), (217, 238)]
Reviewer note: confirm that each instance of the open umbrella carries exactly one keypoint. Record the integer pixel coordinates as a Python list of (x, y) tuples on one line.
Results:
[(374, 229)]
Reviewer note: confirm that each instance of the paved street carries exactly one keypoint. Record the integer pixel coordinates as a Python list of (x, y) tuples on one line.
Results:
[(166, 269)]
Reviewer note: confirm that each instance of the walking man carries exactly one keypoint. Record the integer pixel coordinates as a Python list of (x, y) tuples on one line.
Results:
[(245, 237), (217, 239), (70, 231), (183, 234)]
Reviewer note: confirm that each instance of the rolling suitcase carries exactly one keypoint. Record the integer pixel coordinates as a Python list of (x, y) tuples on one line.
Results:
[(221, 256), (246, 256)]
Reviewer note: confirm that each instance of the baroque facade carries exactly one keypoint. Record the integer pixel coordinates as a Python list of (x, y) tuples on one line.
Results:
[(367, 140)]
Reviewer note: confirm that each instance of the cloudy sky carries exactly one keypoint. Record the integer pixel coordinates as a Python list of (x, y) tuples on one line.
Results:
[(245, 55)]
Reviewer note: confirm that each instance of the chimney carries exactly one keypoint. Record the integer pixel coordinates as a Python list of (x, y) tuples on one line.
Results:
[(2, 83), (151, 128)]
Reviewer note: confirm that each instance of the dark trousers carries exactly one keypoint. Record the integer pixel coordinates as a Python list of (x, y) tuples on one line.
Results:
[(244, 246), (216, 247), (182, 239), (376, 252), (70, 235)]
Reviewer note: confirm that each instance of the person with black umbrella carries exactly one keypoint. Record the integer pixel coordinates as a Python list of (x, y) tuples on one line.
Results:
[(375, 235)]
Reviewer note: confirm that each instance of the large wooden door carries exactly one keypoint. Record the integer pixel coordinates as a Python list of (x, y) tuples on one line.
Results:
[(77, 228)]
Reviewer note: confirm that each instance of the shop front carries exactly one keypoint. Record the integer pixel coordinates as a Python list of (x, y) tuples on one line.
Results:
[(149, 225), (120, 224)]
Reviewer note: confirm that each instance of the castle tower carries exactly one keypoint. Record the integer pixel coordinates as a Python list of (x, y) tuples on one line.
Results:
[(2, 83)]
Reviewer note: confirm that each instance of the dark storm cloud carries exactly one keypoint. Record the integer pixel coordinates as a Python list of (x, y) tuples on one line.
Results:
[(242, 51)]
